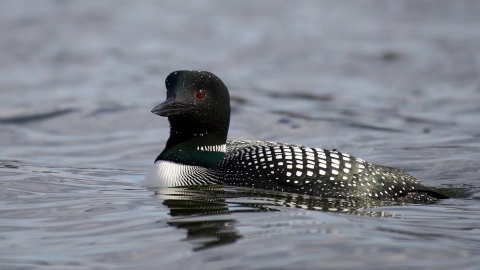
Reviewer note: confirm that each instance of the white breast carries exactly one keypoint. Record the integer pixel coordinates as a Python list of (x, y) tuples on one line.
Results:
[(170, 174)]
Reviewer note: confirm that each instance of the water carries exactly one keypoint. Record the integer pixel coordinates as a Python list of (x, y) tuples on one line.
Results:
[(393, 82)]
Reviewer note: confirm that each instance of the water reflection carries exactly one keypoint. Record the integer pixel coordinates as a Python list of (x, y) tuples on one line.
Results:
[(208, 233), (186, 203), (206, 212)]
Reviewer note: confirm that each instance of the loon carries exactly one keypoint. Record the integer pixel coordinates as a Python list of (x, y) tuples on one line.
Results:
[(198, 153)]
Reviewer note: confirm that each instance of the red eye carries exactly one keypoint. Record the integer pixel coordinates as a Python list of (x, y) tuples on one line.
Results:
[(200, 94)]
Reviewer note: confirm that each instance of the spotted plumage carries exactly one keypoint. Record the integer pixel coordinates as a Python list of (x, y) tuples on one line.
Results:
[(197, 153)]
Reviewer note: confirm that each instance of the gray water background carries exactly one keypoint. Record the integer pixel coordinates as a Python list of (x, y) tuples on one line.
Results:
[(393, 82)]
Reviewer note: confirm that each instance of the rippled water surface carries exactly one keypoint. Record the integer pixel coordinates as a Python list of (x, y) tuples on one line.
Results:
[(393, 82)]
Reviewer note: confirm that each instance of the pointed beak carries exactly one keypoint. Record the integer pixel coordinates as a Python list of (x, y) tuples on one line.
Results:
[(161, 108), (171, 107)]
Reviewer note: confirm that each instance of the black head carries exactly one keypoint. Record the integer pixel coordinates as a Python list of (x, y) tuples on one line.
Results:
[(198, 109), (195, 99)]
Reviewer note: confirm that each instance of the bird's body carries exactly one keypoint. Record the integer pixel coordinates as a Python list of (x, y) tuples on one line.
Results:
[(197, 153)]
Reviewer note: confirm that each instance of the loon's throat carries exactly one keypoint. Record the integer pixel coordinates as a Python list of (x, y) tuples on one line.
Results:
[(205, 156), (205, 150)]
